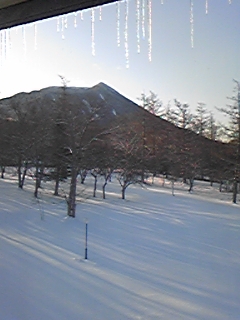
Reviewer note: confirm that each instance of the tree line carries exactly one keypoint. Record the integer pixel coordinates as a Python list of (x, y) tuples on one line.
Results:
[(223, 161)]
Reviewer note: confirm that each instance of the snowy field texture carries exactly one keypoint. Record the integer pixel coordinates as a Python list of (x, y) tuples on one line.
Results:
[(152, 256)]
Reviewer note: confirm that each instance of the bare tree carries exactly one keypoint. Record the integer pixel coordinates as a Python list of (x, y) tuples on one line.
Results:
[(211, 131), (79, 122), (233, 133), (95, 173), (183, 115), (128, 152), (83, 174), (170, 114), (106, 174), (126, 178), (20, 137), (6, 152), (151, 103), (200, 120), (105, 161)]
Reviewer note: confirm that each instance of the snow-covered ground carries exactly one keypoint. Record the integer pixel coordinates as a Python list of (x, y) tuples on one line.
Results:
[(152, 256)]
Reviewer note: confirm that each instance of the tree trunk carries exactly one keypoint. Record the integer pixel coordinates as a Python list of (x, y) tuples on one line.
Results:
[(123, 192), (163, 181), (153, 176), (191, 181), (95, 186), (2, 172), (235, 187), (57, 180), (220, 186), (24, 175), (142, 176), (71, 201), (83, 175), (39, 175), (103, 188), (37, 181), (107, 178), (21, 177), (173, 188)]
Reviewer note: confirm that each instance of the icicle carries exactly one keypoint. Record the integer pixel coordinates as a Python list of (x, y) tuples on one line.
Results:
[(230, 1), (143, 19), (24, 39), (149, 3), (206, 7), (93, 30), (81, 15), (5, 44), (100, 13), (192, 23), (161, 1), (138, 24), (75, 19), (62, 28), (118, 22), (1, 47), (65, 22), (9, 39), (126, 34), (35, 36), (58, 24)]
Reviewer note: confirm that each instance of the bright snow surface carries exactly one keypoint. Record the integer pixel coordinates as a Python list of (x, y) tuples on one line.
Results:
[(152, 256)]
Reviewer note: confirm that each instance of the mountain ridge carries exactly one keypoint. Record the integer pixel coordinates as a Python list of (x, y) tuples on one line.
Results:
[(101, 93)]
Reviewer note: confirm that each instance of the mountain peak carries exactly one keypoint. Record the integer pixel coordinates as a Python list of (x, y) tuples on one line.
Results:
[(103, 86)]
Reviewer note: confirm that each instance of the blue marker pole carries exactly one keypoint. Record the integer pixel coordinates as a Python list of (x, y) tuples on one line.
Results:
[(86, 234)]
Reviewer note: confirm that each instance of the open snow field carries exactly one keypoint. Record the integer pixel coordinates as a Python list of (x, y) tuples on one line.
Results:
[(152, 256)]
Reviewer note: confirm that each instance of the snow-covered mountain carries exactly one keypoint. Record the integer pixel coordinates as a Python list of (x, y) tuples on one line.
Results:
[(111, 102)]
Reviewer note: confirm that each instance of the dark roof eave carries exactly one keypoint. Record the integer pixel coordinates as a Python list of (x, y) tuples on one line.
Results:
[(35, 10)]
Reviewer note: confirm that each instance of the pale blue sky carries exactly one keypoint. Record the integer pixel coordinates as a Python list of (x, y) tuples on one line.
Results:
[(203, 73)]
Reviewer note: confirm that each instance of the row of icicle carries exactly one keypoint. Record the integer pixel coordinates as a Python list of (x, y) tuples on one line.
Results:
[(143, 27)]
